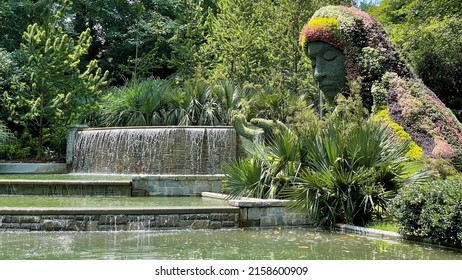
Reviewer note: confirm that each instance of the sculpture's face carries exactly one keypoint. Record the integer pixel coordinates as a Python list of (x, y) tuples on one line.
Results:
[(329, 71)]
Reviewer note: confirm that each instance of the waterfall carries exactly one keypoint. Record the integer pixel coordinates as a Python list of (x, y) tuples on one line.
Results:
[(153, 150)]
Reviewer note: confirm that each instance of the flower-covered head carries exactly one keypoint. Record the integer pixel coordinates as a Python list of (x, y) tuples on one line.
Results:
[(367, 50)]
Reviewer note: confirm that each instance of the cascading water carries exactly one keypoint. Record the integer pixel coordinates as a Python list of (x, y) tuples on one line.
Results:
[(154, 150)]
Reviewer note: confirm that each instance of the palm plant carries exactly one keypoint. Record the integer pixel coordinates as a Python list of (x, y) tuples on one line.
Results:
[(348, 178), (268, 169), (138, 104), (194, 104), (230, 97), (343, 169)]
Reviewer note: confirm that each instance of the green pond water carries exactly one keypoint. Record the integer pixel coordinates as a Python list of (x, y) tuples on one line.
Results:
[(252, 244), (61, 201)]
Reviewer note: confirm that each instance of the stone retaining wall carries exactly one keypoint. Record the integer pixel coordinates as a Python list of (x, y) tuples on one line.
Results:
[(241, 213), (255, 212), (105, 220)]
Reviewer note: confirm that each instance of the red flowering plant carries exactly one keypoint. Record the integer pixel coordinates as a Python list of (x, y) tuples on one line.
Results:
[(386, 82)]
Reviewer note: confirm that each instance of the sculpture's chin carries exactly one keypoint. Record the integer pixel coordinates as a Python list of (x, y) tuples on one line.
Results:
[(330, 95)]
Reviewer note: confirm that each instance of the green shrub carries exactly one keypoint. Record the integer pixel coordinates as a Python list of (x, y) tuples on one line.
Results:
[(457, 163), (432, 211), (351, 177), (137, 104), (5, 134), (12, 148), (161, 102), (344, 169), (266, 171), (195, 104), (443, 167)]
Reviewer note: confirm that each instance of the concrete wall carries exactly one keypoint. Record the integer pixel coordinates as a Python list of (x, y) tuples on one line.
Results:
[(254, 212), (267, 213)]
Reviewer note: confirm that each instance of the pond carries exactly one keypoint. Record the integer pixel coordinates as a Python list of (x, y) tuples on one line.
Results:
[(234, 244)]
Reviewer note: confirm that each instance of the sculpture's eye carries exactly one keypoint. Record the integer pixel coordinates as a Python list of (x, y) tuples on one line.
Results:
[(329, 55)]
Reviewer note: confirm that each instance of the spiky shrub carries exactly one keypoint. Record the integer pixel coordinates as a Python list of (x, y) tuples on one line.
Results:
[(345, 170), (268, 169), (230, 96), (138, 104), (195, 104), (350, 177)]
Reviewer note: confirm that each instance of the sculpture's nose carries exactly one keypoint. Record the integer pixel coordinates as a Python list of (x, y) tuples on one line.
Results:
[(319, 70)]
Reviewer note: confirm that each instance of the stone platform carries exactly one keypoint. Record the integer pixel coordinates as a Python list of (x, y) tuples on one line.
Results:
[(145, 185)]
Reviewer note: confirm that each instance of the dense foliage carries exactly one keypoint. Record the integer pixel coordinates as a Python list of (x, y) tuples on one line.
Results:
[(195, 62), (345, 170), (52, 90), (431, 211), (163, 102)]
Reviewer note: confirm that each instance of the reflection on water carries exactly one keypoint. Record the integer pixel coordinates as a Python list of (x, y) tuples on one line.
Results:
[(218, 244)]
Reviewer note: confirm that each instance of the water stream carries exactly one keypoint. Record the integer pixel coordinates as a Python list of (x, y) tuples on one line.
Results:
[(154, 150)]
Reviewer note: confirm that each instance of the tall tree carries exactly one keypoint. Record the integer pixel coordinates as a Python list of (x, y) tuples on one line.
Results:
[(54, 89), (236, 43), (142, 38)]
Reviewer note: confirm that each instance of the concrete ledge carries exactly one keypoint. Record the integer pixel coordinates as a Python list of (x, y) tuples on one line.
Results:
[(256, 212), (180, 177), (38, 168), (256, 202), (215, 195), (369, 232)]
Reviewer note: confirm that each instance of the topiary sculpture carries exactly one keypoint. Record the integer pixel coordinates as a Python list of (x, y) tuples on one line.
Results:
[(387, 85)]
